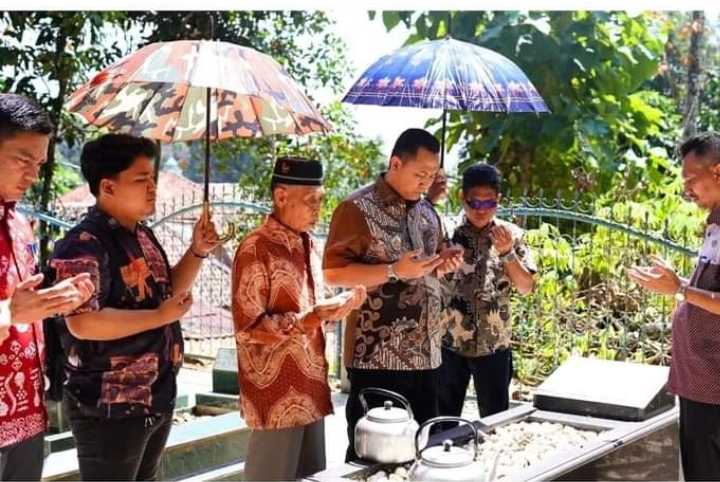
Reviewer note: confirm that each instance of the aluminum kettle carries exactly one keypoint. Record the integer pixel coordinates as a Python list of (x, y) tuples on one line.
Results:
[(449, 462), (386, 434)]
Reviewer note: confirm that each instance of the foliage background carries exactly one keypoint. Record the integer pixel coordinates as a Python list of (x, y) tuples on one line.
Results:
[(617, 86)]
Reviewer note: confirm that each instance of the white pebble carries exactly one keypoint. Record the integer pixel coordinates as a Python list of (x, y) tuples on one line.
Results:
[(521, 444)]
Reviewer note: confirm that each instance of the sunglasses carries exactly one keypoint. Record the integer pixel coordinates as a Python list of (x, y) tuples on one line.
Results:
[(477, 205)]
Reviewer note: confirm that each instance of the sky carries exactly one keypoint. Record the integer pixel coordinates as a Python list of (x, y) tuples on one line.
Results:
[(367, 40)]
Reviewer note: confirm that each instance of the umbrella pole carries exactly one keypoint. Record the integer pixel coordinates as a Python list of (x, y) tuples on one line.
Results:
[(442, 140), (230, 233), (158, 160), (206, 185), (441, 173)]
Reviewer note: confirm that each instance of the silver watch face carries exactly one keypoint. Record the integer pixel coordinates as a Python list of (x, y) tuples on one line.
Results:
[(680, 294), (392, 277)]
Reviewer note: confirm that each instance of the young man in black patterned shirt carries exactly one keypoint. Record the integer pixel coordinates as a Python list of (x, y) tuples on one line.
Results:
[(124, 346)]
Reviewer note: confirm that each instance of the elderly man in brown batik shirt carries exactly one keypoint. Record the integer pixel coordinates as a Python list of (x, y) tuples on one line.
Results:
[(280, 314), (388, 238)]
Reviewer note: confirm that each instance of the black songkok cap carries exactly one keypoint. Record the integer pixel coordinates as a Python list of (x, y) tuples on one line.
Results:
[(298, 171)]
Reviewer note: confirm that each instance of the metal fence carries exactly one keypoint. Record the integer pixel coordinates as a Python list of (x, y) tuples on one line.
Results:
[(583, 302)]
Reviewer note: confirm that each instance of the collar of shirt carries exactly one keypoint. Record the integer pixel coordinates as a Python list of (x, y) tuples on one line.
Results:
[(390, 195), (714, 217), (101, 217), (470, 229), (274, 223), (6, 207)]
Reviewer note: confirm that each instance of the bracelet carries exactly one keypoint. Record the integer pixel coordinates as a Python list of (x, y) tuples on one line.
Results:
[(197, 255)]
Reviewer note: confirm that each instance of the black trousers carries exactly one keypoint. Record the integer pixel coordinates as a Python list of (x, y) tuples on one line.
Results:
[(700, 440), (491, 376), (420, 387), (119, 448), (23, 460)]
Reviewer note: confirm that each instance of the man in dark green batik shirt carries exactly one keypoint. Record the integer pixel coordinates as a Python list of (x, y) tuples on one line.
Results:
[(477, 298)]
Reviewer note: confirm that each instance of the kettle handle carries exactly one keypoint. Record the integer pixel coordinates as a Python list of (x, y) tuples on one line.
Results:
[(387, 393), (433, 421)]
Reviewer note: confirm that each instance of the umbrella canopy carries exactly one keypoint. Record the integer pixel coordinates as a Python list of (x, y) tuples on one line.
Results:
[(161, 92), (446, 74), (197, 89)]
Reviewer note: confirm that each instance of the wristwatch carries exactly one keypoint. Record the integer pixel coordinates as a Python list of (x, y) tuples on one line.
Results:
[(680, 293), (509, 256), (392, 277)]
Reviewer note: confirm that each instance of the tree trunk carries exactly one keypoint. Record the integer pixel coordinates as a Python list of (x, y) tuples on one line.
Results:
[(48, 169), (525, 156), (692, 95)]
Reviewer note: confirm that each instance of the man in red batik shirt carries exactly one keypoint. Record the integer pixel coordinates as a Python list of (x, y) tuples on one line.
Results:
[(25, 131)]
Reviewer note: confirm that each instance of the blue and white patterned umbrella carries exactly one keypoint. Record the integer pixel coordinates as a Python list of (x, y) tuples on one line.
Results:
[(447, 74)]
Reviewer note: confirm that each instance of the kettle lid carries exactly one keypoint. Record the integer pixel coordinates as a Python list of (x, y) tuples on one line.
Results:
[(388, 414), (447, 455)]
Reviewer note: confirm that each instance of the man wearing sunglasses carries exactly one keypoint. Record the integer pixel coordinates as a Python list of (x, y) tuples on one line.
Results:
[(477, 308)]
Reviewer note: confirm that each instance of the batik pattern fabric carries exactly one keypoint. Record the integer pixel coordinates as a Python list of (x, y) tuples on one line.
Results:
[(22, 354), (477, 306), (135, 375), (277, 279), (398, 326)]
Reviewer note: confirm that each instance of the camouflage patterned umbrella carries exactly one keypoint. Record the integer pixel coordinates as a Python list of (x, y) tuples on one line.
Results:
[(187, 90)]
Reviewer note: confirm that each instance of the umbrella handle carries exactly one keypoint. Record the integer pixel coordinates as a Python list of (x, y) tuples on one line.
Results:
[(228, 235), (231, 229)]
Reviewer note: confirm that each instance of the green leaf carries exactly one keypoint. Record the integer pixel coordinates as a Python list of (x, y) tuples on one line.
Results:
[(595, 127), (390, 19)]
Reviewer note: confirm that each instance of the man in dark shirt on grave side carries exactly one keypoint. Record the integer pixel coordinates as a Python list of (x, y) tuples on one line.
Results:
[(388, 238), (694, 375), (124, 346)]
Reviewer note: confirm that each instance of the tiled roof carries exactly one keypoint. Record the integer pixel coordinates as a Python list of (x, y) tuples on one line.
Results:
[(171, 187)]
